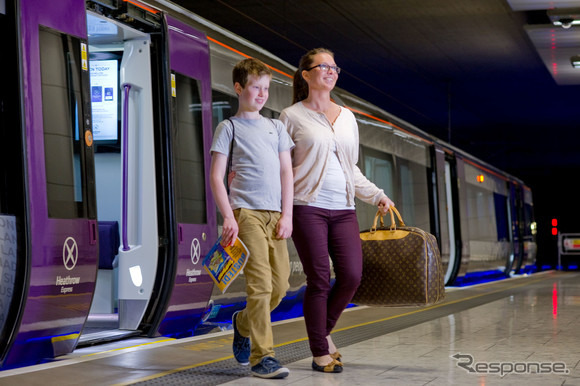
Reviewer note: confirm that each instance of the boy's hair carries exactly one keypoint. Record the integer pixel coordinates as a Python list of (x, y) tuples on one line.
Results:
[(247, 67), (300, 87)]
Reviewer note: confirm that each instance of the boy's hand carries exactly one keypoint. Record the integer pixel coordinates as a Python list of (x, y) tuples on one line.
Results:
[(284, 227), (230, 231)]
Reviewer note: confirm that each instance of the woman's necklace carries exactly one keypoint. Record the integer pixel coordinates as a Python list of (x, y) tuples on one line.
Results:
[(332, 114)]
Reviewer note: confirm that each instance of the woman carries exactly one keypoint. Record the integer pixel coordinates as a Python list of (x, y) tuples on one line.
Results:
[(326, 181)]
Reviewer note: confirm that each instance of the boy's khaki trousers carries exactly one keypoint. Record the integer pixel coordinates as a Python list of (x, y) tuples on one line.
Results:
[(266, 272)]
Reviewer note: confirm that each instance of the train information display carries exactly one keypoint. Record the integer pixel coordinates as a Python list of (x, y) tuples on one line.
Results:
[(104, 94)]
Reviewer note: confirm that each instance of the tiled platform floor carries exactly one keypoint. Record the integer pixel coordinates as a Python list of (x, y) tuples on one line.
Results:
[(521, 331), (538, 328)]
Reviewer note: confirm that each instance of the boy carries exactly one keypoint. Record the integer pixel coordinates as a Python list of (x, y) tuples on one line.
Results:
[(258, 210)]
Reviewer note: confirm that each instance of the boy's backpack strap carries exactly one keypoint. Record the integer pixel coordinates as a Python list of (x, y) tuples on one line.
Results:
[(230, 155)]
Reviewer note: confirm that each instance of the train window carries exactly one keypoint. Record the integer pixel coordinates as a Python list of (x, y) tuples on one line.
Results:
[(223, 107), (481, 209), (413, 199), (62, 112), (269, 113), (501, 215), (188, 152), (529, 229), (379, 168)]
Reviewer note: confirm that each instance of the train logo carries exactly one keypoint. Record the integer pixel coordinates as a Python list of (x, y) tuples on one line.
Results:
[(70, 253), (195, 251)]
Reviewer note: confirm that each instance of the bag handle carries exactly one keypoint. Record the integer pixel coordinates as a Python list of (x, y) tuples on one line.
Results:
[(392, 211)]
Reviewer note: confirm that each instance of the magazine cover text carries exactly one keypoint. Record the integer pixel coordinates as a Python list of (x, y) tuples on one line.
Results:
[(225, 263)]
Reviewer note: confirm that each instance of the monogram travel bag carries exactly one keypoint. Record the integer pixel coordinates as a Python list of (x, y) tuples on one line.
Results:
[(401, 266)]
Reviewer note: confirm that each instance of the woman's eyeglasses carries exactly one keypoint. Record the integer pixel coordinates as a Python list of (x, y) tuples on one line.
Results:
[(325, 67)]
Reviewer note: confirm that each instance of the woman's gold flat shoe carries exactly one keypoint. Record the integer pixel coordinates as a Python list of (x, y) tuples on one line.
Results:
[(336, 356), (333, 367)]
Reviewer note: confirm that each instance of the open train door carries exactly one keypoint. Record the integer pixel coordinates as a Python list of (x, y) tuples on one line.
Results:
[(61, 256), (448, 212), (136, 257), (195, 214), (151, 177)]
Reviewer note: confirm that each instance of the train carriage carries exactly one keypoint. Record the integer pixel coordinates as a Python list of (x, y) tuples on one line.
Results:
[(106, 214)]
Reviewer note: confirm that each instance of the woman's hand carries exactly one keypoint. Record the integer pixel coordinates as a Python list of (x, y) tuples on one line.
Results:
[(385, 204)]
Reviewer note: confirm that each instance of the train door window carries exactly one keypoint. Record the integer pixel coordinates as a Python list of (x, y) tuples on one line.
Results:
[(223, 107), (501, 215), (11, 175), (62, 111), (188, 152)]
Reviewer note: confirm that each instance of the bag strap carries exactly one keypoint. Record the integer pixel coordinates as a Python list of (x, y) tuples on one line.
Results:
[(392, 211), (230, 155)]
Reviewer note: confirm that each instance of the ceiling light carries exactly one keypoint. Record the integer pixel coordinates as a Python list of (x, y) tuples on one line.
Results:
[(566, 22), (564, 17), (575, 61)]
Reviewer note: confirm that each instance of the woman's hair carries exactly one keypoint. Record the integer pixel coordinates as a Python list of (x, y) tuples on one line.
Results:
[(300, 87), (247, 67)]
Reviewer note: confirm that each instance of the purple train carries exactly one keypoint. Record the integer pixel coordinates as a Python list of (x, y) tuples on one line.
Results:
[(107, 110)]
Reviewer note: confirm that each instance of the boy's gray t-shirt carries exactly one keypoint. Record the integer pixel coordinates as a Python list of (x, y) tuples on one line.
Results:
[(255, 160)]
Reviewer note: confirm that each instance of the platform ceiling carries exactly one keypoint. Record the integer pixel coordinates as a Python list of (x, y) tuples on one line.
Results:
[(492, 77)]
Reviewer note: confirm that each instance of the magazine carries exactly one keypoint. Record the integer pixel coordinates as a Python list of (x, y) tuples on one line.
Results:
[(224, 264)]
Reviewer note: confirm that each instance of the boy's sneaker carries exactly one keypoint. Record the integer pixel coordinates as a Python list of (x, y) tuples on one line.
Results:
[(241, 345), (269, 367)]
